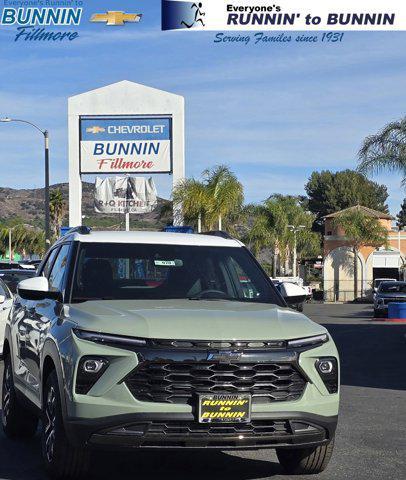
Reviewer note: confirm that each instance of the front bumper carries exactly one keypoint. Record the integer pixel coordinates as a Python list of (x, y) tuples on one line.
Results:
[(181, 431), (109, 416)]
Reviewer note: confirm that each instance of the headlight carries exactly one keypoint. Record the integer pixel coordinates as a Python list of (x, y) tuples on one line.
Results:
[(109, 339), (308, 341)]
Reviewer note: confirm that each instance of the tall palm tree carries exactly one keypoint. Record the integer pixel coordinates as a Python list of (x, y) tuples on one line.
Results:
[(225, 192), (214, 200), (386, 150), (360, 230), (56, 210)]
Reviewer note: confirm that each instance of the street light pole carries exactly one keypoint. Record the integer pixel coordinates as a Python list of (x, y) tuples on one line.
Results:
[(45, 133), (47, 220), (9, 245), (295, 229)]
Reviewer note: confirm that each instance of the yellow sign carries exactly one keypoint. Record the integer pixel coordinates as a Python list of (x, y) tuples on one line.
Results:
[(116, 18)]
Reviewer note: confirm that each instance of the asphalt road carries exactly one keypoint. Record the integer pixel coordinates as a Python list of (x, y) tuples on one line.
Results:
[(371, 437)]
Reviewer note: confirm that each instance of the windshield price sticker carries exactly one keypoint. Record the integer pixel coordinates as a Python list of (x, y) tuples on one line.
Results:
[(168, 263)]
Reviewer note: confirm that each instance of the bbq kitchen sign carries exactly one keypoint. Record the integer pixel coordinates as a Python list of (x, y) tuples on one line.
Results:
[(125, 145)]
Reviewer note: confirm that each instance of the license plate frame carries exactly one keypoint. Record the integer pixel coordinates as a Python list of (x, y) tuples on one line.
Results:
[(229, 412)]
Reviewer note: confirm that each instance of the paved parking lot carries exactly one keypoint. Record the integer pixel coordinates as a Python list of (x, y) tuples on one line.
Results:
[(371, 439)]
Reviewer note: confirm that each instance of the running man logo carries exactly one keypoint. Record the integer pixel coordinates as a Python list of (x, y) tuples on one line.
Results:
[(179, 14), (95, 130), (116, 18)]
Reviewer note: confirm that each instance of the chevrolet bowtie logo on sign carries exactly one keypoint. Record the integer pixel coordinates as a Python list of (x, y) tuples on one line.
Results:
[(95, 130), (116, 18)]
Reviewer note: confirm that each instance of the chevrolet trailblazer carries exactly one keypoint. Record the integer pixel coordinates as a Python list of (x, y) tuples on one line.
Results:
[(164, 340)]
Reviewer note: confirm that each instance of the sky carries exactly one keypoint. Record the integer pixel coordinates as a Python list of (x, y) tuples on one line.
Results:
[(274, 113)]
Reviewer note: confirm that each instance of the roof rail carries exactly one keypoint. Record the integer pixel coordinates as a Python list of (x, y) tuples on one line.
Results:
[(82, 230), (218, 233)]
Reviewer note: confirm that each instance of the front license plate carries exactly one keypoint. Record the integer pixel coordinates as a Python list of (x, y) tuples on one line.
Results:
[(224, 408)]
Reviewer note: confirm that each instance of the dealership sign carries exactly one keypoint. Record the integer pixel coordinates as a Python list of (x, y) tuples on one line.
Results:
[(125, 145)]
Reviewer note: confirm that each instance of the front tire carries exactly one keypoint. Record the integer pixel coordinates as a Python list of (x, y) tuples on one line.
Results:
[(62, 460), (17, 421), (305, 461)]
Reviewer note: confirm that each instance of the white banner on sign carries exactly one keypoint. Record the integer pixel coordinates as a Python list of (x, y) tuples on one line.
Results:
[(125, 195), (141, 157), (284, 15)]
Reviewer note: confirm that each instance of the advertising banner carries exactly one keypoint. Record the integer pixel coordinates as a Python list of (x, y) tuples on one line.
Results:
[(285, 15), (125, 195), (125, 145)]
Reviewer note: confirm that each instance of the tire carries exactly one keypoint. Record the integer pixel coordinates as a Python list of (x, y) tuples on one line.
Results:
[(18, 422), (62, 460), (300, 307), (305, 461), (377, 313)]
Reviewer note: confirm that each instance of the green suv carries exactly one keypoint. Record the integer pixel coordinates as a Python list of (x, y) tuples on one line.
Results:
[(163, 340)]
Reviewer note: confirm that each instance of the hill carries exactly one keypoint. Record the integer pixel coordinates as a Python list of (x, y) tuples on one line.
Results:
[(27, 206)]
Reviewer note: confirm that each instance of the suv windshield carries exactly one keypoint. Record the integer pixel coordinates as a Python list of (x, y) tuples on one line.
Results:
[(393, 287), (153, 272)]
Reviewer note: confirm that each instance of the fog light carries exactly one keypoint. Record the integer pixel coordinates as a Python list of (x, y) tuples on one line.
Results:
[(93, 365), (328, 371), (325, 366), (90, 370)]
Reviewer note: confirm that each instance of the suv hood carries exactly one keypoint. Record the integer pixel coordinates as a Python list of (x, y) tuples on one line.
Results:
[(192, 319)]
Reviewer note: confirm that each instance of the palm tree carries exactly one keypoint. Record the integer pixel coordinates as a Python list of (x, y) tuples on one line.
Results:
[(225, 192), (194, 198), (360, 230), (215, 199), (56, 210), (268, 227), (385, 150)]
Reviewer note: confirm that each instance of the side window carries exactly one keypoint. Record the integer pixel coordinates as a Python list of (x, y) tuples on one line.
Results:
[(58, 271), (3, 290), (48, 264)]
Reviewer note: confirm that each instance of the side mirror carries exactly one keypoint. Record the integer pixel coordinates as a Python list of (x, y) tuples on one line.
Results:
[(36, 288), (292, 293), (2, 299)]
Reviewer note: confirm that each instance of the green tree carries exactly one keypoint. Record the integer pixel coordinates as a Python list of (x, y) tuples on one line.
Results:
[(329, 192), (268, 228), (360, 230), (214, 201), (401, 216), (225, 193), (385, 150), (56, 210)]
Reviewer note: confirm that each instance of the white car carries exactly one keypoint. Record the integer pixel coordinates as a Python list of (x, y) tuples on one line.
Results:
[(6, 300)]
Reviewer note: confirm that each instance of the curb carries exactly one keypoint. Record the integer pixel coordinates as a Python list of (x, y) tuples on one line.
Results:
[(389, 320)]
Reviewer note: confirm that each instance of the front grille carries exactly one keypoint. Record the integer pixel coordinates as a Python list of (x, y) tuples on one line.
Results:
[(190, 429), (181, 382), (215, 344)]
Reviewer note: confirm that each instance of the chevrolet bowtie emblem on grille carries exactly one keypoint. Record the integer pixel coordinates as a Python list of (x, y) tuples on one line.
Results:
[(95, 130), (116, 18), (224, 356)]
